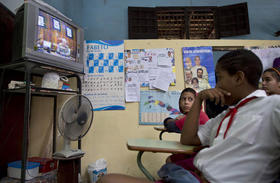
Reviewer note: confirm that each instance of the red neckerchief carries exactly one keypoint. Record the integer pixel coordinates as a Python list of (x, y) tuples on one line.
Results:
[(232, 113)]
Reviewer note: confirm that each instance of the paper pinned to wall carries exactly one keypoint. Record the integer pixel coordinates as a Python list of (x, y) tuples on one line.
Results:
[(155, 106), (103, 83), (132, 88), (163, 79), (145, 61)]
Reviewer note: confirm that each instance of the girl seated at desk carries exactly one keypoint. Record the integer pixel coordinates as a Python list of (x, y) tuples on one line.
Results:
[(186, 101)]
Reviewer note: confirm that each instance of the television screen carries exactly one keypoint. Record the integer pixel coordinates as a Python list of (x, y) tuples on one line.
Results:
[(56, 37), (45, 36)]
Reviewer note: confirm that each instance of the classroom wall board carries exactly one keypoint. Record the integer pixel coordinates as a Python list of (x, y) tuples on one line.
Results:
[(111, 129)]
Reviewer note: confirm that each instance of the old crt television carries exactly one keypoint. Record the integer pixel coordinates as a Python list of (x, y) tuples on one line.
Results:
[(44, 35)]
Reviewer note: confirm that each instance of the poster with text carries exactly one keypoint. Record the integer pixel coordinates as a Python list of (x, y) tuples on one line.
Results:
[(155, 106), (148, 64), (103, 82), (199, 69)]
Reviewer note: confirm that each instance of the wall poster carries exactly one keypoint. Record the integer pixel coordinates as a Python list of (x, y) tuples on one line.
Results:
[(267, 55), (155, 106), (103, 82), (147, 64), (199, 69)]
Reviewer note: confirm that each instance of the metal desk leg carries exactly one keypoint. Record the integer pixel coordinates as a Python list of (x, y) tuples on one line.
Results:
[(161, 133), (142, 168)]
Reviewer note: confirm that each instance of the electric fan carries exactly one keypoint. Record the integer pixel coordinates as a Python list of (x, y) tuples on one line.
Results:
[(74, 121)]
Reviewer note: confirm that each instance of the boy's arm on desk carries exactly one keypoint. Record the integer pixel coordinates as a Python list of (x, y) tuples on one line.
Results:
[(151, 145)]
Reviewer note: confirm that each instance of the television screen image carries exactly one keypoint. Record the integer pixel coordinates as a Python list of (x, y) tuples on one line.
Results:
[(56, 37), (45, 36)]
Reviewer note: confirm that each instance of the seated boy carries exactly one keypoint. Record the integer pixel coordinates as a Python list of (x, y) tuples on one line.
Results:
[(244, 140)]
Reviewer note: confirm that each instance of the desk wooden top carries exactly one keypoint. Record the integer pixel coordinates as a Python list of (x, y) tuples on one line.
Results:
[(163, 146), (160, 128)]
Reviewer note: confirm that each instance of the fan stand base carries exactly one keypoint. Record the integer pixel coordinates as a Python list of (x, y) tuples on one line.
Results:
[(68, 169), (69, 153)]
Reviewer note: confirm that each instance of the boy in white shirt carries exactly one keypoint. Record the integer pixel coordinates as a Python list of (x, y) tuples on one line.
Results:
[(244, 140)]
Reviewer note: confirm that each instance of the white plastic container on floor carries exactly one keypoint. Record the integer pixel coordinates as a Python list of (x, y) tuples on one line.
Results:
[(32, 170), (97, 170)]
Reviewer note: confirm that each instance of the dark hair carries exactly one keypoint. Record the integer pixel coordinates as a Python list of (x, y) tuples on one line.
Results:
[(186, 90), (274, 73), (199, 69), (276, 63), (195, 79), (245, 61)]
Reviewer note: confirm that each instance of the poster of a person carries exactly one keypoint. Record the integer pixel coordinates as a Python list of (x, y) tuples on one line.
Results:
[(188, 77), (195, 84), (187, 63), (202, 67), (203, 82), (199, 66)]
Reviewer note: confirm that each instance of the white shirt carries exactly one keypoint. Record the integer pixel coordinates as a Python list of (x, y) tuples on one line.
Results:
[(250, 153)]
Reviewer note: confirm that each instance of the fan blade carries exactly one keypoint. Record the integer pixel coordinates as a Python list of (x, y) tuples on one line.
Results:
[(73, 131), (84, 111), (70, 109), (75, 117), (82, 118)]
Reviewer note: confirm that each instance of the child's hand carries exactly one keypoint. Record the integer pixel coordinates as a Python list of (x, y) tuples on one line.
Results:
[(214, 94), (179, 117)]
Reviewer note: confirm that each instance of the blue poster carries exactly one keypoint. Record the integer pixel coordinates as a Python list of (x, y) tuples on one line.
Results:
[(199, 69)]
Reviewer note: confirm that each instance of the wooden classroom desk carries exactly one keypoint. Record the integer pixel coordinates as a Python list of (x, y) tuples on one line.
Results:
[(151, 145)]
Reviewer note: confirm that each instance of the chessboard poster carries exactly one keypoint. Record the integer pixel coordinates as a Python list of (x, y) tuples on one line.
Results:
[(199, 69), (103, 82)]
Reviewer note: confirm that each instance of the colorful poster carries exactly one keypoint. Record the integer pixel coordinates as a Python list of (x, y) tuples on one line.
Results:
[(148, 64), (199, 69), (103, 82), (155, 106)]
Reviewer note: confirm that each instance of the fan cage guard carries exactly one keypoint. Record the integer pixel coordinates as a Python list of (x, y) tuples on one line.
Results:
[(61, 123)]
